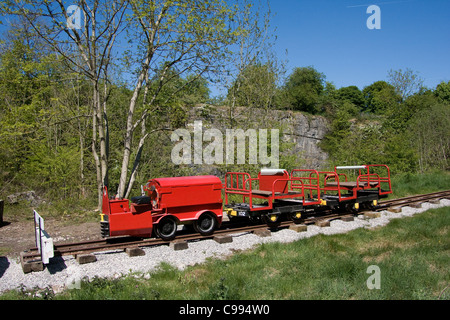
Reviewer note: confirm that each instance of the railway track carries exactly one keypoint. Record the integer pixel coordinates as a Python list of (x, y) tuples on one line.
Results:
[(32, 255), (414, 199)]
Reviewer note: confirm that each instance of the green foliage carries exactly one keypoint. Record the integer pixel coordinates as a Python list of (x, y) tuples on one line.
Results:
[(303, 89), (442, 92), (255, 86), (351, 94), (52, 169), (407, 134), (431, 129), (399, 153), (380, 97)]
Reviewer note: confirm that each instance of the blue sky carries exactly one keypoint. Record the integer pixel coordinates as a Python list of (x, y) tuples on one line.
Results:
[(333, 37)]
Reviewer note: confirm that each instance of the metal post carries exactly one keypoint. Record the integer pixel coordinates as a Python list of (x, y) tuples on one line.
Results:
[(41, 249), (35, 235), (43, 240), (2, 203)]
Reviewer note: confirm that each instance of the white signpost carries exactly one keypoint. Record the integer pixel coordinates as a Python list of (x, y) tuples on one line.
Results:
[(44, 242)]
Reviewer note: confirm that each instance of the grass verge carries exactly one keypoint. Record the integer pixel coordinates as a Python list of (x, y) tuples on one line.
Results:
[(408, 184)]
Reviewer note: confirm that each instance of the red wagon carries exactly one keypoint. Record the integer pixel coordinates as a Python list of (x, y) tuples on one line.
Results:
[(350, 186), (269, 197), (304, 191)]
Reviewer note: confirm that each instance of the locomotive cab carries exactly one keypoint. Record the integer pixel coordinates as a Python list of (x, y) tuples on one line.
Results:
[(119, 218)]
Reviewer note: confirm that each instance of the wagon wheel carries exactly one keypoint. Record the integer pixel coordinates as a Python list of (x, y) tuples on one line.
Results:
[(350, 208), (296, 217), (368, 205), (206, 224), (166, 229), (272, 220)]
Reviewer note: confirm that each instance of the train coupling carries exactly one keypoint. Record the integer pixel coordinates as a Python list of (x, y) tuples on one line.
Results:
[(104, 225), (230, 212)]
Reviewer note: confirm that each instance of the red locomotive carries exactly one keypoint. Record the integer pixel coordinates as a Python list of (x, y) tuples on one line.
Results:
[(169, 202), (273, 196)]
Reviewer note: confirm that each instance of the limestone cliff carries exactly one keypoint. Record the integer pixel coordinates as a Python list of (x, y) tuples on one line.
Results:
[(301, 133)]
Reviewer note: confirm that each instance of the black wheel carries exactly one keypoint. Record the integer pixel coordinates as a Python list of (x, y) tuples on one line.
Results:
[(296, 217), (350, 208), (206, 224), (272, 220), (368, 205), (166, 229)]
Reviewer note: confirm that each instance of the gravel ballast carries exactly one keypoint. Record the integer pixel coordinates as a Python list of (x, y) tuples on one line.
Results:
[(66, 272)]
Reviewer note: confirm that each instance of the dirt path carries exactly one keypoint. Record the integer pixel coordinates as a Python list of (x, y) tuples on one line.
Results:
[(18, 236)]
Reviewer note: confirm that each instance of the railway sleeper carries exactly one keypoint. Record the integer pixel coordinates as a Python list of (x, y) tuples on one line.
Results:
[(30, 265)]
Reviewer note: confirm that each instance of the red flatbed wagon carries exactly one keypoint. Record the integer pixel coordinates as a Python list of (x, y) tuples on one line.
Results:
[(304, 191)]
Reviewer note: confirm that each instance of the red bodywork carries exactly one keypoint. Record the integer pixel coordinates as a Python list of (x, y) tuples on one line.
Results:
[(123, 220), (197, 200), (186, 198), (183, 198), (308, 187)]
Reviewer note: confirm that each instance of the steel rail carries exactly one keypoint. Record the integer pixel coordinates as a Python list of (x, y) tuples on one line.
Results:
[(413, 199)]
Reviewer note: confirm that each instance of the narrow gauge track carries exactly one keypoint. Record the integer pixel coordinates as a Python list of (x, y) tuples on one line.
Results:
[(413, 199), (121, 243)]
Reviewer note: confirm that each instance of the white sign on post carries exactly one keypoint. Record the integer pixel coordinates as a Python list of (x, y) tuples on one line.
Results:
[(44, 242)]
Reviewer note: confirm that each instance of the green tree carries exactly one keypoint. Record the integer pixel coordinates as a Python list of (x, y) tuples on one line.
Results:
[(303, 89), (340, 129), (398, 117), (406, 83), (196, 91), (255, 86), (25, 84), (380, 97), (430, 131), (351, 94), (442, 91), (43, 125)]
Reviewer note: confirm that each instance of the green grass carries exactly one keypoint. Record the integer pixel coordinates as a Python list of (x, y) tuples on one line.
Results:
[(419, 183), (413, 255)]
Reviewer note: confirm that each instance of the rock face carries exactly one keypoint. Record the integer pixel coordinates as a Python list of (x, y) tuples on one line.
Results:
[(301, 133), (29, 196), (305, 132)]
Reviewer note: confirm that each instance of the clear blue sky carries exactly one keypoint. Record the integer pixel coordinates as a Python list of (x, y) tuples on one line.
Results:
[(333, 37)]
